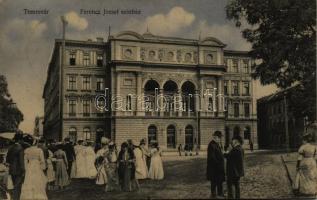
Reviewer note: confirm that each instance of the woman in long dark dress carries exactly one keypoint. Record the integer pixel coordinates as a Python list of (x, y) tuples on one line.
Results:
[(126, 167), (61, 175), (111, 168)]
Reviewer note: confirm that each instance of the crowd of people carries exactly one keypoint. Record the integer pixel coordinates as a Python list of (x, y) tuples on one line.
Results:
[(36, 166)]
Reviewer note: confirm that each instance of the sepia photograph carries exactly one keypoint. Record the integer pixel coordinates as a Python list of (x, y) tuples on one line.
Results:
[(152, 99)]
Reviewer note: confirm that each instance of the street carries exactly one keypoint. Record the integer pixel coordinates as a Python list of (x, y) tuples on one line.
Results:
[(265, 177)]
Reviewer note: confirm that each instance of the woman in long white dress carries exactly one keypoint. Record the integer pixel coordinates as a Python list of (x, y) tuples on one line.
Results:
[(101, 178), (80, 170), (306, 178), (141, 170), (50, 174), (90, 155), (34, 186), (156, 167)]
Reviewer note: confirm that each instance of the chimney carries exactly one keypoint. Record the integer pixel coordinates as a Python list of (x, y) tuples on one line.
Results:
[(99, 39)]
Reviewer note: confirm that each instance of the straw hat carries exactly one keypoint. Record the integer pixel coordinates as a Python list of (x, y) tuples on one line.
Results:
[(104, 140)]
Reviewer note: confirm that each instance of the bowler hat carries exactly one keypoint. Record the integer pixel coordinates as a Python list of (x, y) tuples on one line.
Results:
[(217, 133)]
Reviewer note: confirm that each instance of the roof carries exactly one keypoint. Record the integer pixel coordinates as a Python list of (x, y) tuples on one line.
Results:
[(148, 36), (277, 95)]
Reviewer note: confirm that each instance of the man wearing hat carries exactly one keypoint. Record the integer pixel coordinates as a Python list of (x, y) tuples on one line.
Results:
[(215, 165), (70, 154), (235, 168), (15, 159)]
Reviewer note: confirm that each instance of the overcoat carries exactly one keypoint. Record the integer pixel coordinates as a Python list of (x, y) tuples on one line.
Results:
[(235, 167), (215, 163)]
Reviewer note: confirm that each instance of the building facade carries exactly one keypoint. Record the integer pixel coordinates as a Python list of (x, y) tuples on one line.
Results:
[(172, 90), (271, 122)]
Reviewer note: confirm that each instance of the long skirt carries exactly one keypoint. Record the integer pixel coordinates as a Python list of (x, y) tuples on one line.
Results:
[(50, 173), (61, 175), (113, 179), (101, 178), (34, 186), (156, 170), (125, 178), (306, 180)]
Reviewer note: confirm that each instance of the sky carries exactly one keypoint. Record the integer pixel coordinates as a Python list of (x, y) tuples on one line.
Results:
[(26, 40)]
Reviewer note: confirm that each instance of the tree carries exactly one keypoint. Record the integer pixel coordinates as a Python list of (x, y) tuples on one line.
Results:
[(10, 115), (283, 38)]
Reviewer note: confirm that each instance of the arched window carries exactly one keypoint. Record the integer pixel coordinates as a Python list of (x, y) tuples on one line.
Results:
[(170, 91), (73, 134), (152, 132), (171, 140), (189, 136), (188, 96), (87, 133), (151, 89)]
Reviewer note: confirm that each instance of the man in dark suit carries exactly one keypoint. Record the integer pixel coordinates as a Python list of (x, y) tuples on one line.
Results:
[(215, 165), (15, 159), (70, 154), (235, 168)]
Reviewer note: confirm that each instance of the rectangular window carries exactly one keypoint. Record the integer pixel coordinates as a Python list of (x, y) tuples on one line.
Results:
[(246, 66), (87, 134), (86, 60), (128, 103), (86, 83), (236, 109), (210, 104), (72, 59), (225, 89), (100, 84), (246, 88), (72, 108), (235, 87), (86, 108), (235, 67), (247, 110), (99, 60), (72, 82)]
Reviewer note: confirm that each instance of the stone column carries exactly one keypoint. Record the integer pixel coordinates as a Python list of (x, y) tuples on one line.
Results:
[(161, 97), (181, 106), (220, 98), (138, 93), (202, 103), (196, 97), (118, 84), (118, 80)]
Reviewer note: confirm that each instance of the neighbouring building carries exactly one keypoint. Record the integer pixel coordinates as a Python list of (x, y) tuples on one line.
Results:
[(38, 126), (160, 88), (271, 122)]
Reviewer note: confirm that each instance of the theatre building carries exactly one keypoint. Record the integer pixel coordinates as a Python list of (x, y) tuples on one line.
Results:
[(172, 90)]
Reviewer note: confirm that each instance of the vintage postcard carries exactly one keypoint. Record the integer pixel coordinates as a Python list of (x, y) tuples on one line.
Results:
[(150, 99)]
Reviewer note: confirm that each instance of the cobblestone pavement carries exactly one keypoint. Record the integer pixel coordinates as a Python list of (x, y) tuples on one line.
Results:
[(185, 179), (290, 161)]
